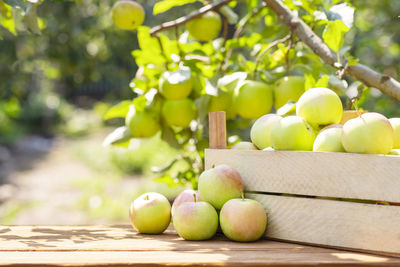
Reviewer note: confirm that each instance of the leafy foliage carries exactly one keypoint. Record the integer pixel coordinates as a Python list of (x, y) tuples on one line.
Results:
[(220, 66)]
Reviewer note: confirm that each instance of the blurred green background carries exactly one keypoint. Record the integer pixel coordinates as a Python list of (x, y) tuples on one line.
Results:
[(56, 86)]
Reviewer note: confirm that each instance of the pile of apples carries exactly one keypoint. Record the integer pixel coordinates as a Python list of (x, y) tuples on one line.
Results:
[(315, 127), (197, 214)]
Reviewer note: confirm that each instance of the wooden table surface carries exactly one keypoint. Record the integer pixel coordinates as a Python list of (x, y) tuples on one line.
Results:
[(122, 246)]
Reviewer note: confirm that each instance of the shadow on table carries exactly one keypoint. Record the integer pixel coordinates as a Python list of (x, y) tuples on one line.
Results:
[(123, 238)]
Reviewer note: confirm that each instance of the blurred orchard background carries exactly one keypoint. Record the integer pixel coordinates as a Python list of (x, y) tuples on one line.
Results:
[(58, 82)]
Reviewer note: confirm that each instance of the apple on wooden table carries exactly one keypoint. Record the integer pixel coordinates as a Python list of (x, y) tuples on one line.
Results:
[(185, 196), (243, 220), (195, 220), (150, 213)]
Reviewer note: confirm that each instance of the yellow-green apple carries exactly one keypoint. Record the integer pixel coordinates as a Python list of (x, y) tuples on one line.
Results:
[(176, 85), (395, 122), (395, 151), (243, 220), (179, 112), (127, 15), (260, 132), (329, 139), (196, 220), (292, 133), (244, 146), (150, 213), (223, 102), (220, 184), (143, 123), (253, 99), (206, 27), (288, 88), (320, 106), (187, 195), (370, 133)]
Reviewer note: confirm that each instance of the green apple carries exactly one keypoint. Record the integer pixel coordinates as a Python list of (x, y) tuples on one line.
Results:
[(395, 122), (370, 133), (243, 220), (320, 106), (176, 85), (188, 195), (288, 88), (220, 184), (253, 99), (142, 123), (206, 27), (223, 102), (150, 213), (260, 132), (329, 139), (244, 146), (292, 133), (196, 220), (127, 15), (179, 112)]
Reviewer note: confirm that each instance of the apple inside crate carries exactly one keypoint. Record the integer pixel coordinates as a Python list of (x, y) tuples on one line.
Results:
[(343, 200)]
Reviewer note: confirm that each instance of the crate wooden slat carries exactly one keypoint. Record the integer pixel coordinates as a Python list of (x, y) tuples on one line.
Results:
[(333, 223), (318, 221), (314, 184), (121, 246), (343, 175)]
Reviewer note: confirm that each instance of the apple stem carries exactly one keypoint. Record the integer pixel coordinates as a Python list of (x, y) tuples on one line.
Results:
[(242, 195), (146, 197), (353, 101), (195, 199)]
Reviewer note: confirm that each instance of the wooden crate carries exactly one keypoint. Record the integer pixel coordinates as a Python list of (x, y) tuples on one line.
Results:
[(306, 213)]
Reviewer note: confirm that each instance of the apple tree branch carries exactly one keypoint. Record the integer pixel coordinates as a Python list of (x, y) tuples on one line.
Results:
[(183, 20), (363, 73)]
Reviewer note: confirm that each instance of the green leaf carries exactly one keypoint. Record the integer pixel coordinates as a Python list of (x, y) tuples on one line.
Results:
[(118, 111), (31, 20), (351, 61), (162, 169), (202, 106), (119, 135), (169, 136), (342, 12), (140, 103), (165, 5), (310, 82), (323, 81), (288, 109), (6, 18), (334, 34), (150, 52), (229, 14), (231, 81)]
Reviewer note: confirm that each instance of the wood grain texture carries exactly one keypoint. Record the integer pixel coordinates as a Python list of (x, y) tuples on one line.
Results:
[(217, 129), (326, 174), (122, 246), (333, 223)]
